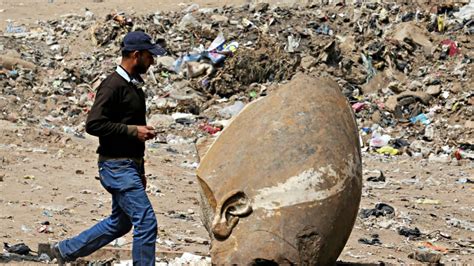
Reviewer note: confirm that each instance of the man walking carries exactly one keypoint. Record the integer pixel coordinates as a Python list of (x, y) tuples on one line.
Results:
[(118, 118)]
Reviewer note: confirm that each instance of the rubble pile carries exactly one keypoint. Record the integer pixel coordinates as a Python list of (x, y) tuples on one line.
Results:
[(406, 70)]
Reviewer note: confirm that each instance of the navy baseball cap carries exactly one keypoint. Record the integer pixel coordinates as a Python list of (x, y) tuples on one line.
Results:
[(139, 41)]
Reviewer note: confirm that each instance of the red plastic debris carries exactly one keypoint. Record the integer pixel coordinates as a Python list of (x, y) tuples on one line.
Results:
[(210, 129), (453, 47), (358, 106)]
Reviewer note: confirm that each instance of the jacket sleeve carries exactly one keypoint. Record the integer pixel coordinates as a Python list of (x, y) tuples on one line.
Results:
[(99, 119)]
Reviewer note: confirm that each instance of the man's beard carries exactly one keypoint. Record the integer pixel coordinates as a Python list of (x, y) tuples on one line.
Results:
[(140, 67)]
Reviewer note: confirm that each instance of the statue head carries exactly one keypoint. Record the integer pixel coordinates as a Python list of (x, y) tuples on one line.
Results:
[(282, 183)]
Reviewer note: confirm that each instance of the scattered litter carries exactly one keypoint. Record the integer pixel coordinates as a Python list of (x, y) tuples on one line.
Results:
[(231, 110), (408, 232), (428, 201), (20, 249), (466, 225), (387, 150), (430, 245), (375, 176), (381, 209), (374, 240)]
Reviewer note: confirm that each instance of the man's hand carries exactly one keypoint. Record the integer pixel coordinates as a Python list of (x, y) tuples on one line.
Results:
[(145, 133)]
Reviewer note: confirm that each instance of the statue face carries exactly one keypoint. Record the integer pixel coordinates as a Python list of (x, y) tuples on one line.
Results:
[(282, 183)]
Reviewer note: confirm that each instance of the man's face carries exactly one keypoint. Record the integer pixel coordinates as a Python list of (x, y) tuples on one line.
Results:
[(143, 60)]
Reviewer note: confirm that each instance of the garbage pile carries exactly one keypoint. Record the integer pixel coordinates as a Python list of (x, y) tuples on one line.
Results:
[(406, 69)]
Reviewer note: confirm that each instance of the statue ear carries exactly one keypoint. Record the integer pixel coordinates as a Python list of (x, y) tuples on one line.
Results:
[(233, 206)]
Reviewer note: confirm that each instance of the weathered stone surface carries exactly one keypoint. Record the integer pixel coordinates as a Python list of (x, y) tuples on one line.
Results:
[(159, 120), (307, 62), (409, 30), (434, 90), (166, 61), (282, 183), (380, 81), (219, 19), (9, 62), (392, 101)]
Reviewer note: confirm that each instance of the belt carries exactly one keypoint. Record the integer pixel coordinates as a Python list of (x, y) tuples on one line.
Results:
[(138, 160)]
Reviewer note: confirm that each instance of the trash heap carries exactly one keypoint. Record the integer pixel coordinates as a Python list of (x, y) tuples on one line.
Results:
[(406, 69)]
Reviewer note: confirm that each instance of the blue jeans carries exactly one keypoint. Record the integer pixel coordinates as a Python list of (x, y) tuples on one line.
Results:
[(130, 206)]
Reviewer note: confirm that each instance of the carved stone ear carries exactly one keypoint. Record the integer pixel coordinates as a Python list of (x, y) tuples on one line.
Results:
[(233, 206)]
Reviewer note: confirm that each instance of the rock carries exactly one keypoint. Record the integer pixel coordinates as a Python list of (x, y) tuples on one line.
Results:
[(253, 187), (392, 101), (469, 124), (219, 19), (182, 91), (433, 90), (376, 84), (376, 117), (3, 103), (426, 256), (166, 62), (347, 45), (9, 62), (396, 87), (307, 62), (411, 31), (12, 117), (71, 198), (262, 7), (442, 158), (188, 21), (160, 121), (455, 88), (198, 240), (414, 85)]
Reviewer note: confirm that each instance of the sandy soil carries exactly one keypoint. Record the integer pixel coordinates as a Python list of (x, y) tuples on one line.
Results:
[(52, 178), (48, 176)]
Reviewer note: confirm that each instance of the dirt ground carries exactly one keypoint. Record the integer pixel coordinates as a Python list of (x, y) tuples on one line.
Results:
[(49, 176)]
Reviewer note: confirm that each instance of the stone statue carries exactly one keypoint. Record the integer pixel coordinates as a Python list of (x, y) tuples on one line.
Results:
[(282, 183)]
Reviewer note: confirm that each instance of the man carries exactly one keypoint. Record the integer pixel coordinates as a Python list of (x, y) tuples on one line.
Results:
[(117, 117)]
